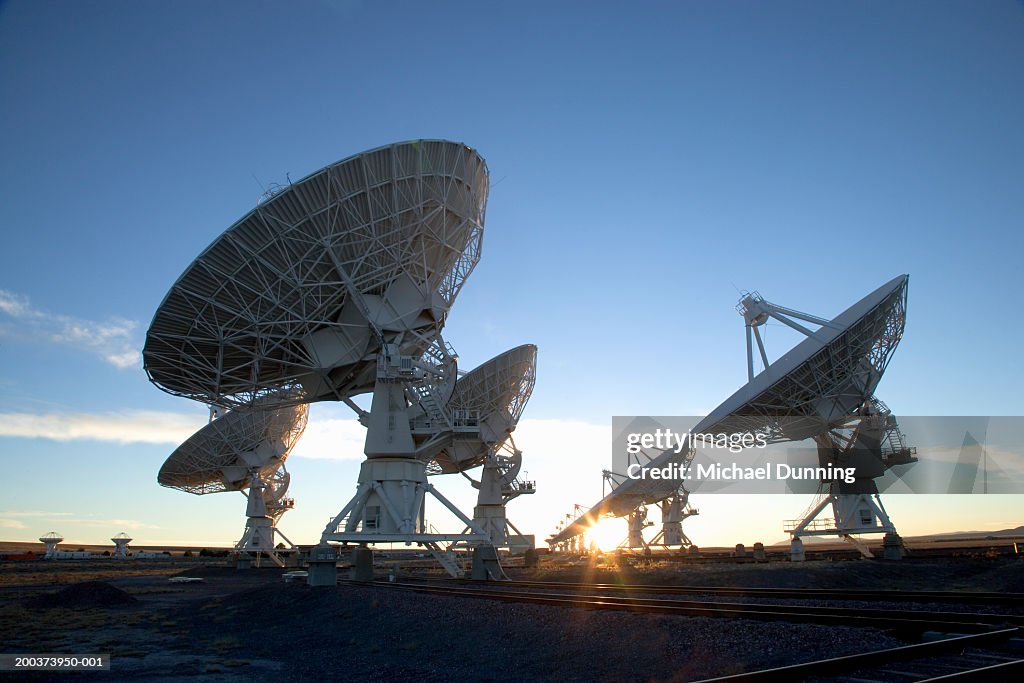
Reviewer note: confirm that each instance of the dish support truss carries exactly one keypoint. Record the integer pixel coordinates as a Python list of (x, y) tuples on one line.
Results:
[(674, 510), (868, 438), (870, 442), (267, 503), (832, 385), (500, 482), (388, 506)]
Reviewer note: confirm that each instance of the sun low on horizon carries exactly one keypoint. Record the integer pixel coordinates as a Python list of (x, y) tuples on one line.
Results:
[(608, 534)]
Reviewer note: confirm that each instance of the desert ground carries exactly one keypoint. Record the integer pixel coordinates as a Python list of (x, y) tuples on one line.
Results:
[(250, 625)]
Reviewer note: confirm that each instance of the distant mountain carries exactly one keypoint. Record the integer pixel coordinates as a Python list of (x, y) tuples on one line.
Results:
[(966, 535), (951, 536)]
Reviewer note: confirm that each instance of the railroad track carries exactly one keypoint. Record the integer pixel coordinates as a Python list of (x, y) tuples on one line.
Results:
[(897, 620), (950, 659), (1005, 599), (962, 646)]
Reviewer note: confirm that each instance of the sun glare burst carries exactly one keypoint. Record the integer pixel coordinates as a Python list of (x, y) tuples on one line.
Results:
[(607, 533)]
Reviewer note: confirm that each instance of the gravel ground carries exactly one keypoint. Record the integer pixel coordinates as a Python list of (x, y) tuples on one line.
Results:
[(372, 633), (250, 626), (296, 633)]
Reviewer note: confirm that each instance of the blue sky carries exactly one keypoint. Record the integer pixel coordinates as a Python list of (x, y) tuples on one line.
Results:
[(647, 161)]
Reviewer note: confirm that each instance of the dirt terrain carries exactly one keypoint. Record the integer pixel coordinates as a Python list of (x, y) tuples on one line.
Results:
[(250, 625)]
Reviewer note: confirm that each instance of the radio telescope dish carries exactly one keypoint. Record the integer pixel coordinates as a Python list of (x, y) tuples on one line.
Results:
[(339, 285), (51, 541), (825, 377), (490, 397), (222, 455), (121, 542), (297, 298), (243, 450), (816, 386), (475, 428), (497, 391)]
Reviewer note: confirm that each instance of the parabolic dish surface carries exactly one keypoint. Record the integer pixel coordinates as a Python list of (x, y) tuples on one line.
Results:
[(219, 456), (268, 306), (496, 392), (818, 383)]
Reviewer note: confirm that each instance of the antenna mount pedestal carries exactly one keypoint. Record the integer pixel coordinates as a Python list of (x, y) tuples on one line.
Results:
[(389, 503), (261, 524)]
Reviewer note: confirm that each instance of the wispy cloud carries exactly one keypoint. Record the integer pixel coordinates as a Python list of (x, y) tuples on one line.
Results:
[(33, 513), (136, 426), (326, 437), (11, 519), (110, 523), (113, 340)]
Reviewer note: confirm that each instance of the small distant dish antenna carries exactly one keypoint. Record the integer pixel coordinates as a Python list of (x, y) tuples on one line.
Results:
[(822, 389), (51, 541), (244, 451), (121, 542)]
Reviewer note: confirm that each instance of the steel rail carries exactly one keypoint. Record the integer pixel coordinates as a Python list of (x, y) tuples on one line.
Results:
[(867, 595), (953, 622), (878, 658)]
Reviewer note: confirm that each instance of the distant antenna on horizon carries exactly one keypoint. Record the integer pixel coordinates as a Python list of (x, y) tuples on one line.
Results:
[(51, 541), (121, 542)]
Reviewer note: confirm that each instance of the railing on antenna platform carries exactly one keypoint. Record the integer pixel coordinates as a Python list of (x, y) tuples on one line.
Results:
[(827, 525)]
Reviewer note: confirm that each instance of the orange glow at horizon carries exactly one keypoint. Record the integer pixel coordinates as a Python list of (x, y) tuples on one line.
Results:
[(608, 533)]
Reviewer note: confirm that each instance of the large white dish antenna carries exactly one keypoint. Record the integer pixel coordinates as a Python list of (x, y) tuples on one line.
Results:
[(490, 397), (816, 385), (223, 455), (824, 378), (302, 292)]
